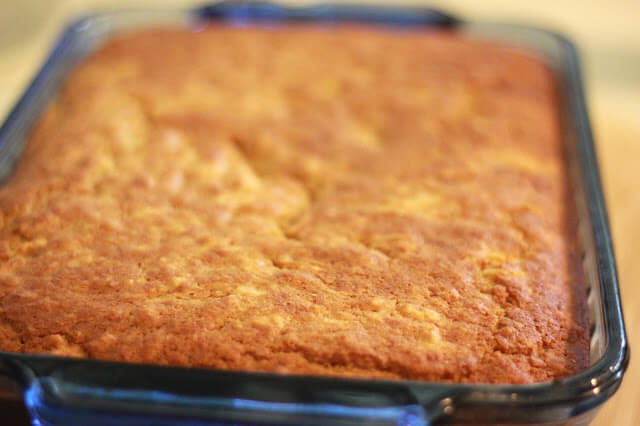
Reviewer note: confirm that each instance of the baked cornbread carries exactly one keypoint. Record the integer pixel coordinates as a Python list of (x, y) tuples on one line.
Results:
[(342, 201)]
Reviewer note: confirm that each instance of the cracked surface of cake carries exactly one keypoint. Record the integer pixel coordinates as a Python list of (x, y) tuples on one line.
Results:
[(344, 201)]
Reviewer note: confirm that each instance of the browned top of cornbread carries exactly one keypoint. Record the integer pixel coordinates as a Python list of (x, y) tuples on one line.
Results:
[(343, 201)]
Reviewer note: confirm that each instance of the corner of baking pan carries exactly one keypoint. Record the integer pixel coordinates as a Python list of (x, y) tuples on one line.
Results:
[(21, 117)]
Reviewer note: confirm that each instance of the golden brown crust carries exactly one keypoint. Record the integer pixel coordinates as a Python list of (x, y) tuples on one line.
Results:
[(349, 202)]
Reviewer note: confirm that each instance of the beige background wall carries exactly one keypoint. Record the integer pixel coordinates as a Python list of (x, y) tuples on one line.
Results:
[(609, 37)]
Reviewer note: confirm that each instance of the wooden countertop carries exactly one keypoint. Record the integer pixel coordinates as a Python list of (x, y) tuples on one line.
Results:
[(610, 42)]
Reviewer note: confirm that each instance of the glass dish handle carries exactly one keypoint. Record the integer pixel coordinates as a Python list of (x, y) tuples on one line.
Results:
[(252, 11), (53, 402)]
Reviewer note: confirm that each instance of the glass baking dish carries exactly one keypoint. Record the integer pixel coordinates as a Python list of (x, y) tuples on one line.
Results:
[(76, 391)]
